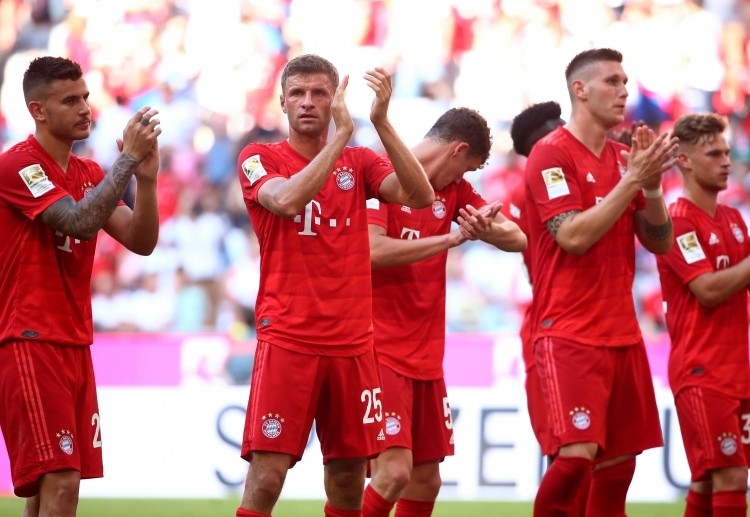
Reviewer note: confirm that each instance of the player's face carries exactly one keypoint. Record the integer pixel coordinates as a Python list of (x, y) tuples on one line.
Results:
[(708, 162), (307, 102), (65, 111), (459, 164), (606, 93)]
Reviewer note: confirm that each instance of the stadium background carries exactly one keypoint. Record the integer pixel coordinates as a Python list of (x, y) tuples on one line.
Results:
[(175, 330)]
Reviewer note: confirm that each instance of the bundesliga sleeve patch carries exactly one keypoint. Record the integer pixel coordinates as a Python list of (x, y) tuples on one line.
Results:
[(253, 169), (690, 247), (373, 204), (36, 180), (554, 180)]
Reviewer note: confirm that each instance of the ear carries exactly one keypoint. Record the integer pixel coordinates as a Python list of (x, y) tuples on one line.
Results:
[(35, 108), (460, 148), (282, 102), (578, 87)]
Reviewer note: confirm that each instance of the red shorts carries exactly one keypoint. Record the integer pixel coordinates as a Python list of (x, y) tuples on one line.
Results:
[(288, 390), (594, 394), (48, 412), (715, 430), (537, 410), (417, 416)]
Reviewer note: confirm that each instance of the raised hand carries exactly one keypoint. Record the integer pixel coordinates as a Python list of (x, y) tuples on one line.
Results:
[(140, 134), (380, 82), (339, 111), (650, 156)]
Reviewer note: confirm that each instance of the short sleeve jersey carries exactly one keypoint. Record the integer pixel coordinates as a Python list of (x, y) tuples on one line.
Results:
[(45, 276), (409, 300), (587, 299), (709, 345), (315, 286)]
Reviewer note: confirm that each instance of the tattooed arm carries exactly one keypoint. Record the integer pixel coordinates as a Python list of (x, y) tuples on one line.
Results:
[(653, 226), (139, 156), (83, 219)]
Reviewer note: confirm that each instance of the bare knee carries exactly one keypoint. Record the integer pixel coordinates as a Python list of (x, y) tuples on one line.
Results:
[(586, 450), (425, 483), (345, 482), (265, 479), (729, 479), (391, 472), (58, 493)]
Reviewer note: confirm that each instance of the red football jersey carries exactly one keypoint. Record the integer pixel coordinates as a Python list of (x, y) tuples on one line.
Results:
[(709, 345), (409, 300), (315, 293), (587, 299), (45, 276), (515, 210)]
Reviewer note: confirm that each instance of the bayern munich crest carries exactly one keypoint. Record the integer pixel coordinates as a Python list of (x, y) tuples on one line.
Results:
[(87, 188), (392, 424), (580, 418), (271, 426), (438, 209), (727, 444), (738, 234), (66, 441), (344, 178)]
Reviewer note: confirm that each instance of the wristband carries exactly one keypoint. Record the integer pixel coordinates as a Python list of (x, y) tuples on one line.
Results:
[(653, 193)]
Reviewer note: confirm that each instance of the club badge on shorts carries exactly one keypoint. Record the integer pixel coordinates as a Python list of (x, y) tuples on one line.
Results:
[(66, 441), (727, 443), (392, 423), (580, 417), (271, 426)]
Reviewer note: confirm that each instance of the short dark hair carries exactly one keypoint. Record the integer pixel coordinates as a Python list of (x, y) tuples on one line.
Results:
[(532, 124), (693, 128), (42, 71), (307, 64), (587, 57), (466, 125)]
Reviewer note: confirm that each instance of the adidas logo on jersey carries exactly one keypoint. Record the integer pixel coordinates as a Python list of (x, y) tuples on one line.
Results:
[(590, 178), (381, 435), (406, 209), (713, 239)]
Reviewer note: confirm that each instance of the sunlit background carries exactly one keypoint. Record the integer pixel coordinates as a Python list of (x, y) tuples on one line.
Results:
[(183, 318)]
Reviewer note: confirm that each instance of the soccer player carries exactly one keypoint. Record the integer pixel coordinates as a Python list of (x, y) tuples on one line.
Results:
[(306, 198), (587, 197), (526, 129), (409, 248), (704, 282), (52, 204)]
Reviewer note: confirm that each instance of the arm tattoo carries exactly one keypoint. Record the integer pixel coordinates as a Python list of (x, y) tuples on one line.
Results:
[(553, 225), (86, 217), (658, 232)]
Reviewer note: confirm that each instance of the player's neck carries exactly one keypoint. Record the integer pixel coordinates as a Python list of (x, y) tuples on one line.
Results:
[(58, 149), (704, 199), (307, 146), (589, 133)]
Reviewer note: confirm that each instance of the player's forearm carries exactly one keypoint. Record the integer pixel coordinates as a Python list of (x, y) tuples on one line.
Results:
[(386, 251), (653, 226), (415, 189), (85, 218), (143, 231), (577, 232), (712, 289), (289, 197), (506, 236)]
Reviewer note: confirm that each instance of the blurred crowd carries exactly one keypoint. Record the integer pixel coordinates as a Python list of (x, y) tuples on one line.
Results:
[(212, 69)]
